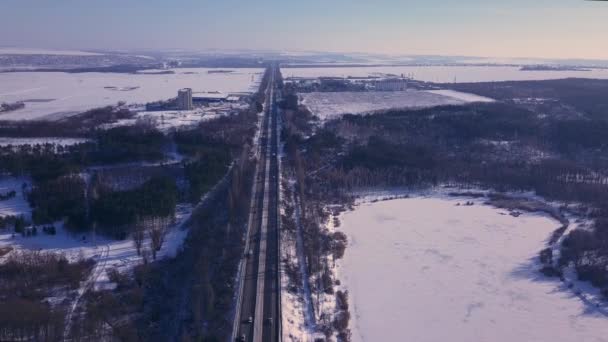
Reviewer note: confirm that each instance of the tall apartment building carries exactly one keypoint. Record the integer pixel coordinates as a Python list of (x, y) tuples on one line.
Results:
[(184, 99)]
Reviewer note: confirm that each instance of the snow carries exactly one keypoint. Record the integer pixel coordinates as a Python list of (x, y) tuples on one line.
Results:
[(40, 141), (33, 51), (444, 74), (170, 119), (17, 205), (106, 252), (424, 269), (467, 97), (329, 105), (298, 319), (51, 95)]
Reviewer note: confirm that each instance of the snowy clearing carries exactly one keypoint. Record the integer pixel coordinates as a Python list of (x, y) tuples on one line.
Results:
[(107, 253), (174, 119), (444, 74), (467, 97), (41, 141), (330, 105), (56, 94), (17, 205), (425, 269)]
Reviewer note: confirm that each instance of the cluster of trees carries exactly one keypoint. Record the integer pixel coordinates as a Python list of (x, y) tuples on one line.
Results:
[(588, 251), (205, 171), (59, 198), (342, 316), (212, 146), (42, 163), (7, 221), (82, 206), (8, 195), (26, 278), (7, 107), (113, 314), (59, 191), (117, 211), (117, 145), (128, 144), (155, 228)]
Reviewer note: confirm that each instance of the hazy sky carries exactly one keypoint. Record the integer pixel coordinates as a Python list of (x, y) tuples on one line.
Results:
[(506, 28)]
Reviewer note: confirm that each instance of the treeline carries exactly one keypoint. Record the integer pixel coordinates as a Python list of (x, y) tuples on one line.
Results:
[(306, 156), (117, 145), (587, 96), (77, 126)]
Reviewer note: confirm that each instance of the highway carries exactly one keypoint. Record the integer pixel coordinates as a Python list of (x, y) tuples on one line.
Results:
[(257, 316)]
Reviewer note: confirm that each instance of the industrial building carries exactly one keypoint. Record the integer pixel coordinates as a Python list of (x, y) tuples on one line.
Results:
[(184, 99), (392, 84), (211, 97)]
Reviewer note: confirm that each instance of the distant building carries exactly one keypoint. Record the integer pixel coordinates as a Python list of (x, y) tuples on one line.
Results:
[(210, 97), (184, 99), (392, 84)]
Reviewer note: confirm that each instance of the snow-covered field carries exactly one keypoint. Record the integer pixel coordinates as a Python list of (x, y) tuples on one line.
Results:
[(425, 269), (17, 205), (444, 74), (40, 141), (56, 94), (328, 105), (466, 97)]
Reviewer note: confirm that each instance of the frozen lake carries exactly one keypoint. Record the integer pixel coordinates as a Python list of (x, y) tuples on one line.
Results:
[(445, 74), (427, 270), (54, 94)]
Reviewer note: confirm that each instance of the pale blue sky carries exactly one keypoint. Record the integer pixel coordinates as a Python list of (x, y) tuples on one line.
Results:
[(508, 28)]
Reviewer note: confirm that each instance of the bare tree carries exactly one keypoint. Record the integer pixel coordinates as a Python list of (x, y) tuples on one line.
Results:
[(138, 236), (157, 230)]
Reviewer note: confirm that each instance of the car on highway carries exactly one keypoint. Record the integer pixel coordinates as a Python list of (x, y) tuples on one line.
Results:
[(241, 338), (249, 320), (269, 320)]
